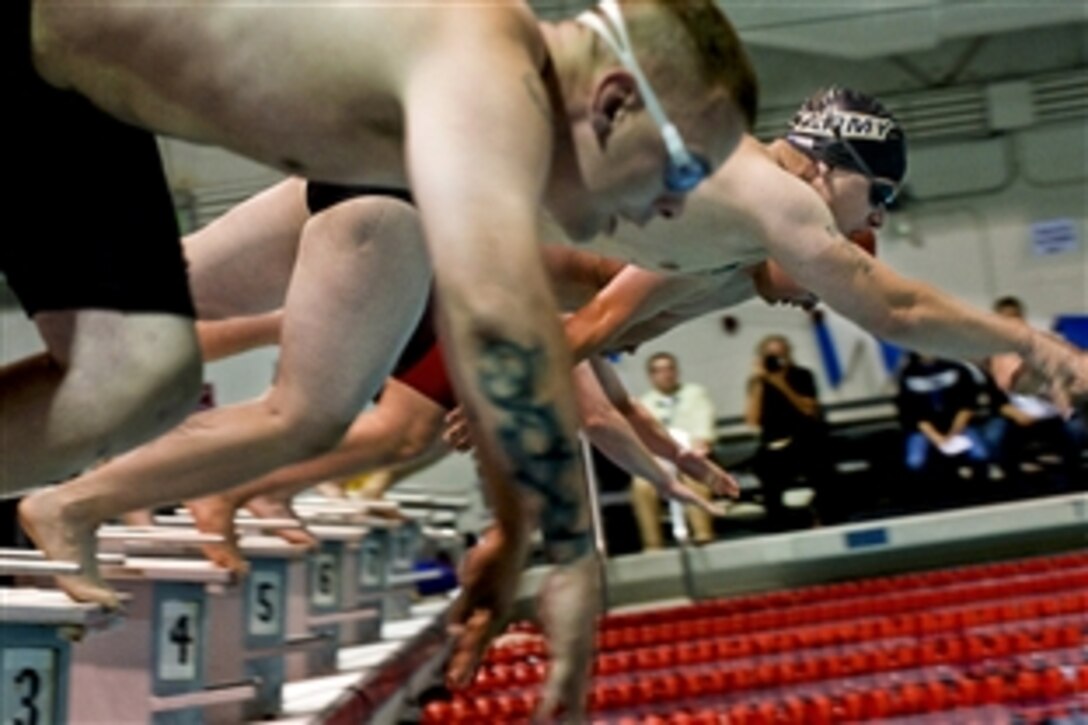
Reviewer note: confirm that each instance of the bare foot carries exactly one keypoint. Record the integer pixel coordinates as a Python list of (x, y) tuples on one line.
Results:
[(266, 507), (215, 515), (489, 577), (62, 537)]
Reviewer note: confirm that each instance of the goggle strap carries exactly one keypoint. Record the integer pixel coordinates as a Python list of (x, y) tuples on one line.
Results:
[(675, 144), (613, 31), (865, 168), (813, 145)]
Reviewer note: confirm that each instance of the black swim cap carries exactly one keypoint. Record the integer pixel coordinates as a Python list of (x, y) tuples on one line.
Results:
[(833, 117)]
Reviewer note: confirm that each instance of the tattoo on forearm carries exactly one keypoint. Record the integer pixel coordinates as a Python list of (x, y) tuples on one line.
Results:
[(538, 95), (533, 439)]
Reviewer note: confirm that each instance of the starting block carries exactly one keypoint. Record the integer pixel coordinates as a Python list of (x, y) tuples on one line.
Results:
[(156, 668), (429, 509), (334, 610), (274, 594), (37, 629), (386, 557)]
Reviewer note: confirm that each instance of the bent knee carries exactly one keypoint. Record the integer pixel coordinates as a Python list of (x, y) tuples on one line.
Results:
[(139, 389), (168, 368), (162, 390), (374, 221)]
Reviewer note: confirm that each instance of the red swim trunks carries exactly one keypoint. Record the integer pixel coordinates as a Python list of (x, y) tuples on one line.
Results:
[(422, 367)]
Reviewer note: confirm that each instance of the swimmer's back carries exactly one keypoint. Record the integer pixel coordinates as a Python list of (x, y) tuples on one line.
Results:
[(307, 86)]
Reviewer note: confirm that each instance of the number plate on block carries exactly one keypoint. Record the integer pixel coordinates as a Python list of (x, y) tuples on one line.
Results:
[(29, 686), (179, 640)]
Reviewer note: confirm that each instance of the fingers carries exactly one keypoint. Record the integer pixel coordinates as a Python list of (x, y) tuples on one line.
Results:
[(704, 470), (686, 496), (563, 697), (727, 485), (471, 640), (456, 433), (720, 481), (457, 438), (714, 509), (568, 606), (676, 491)]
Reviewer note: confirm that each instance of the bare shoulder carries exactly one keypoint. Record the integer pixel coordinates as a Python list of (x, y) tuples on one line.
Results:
[(518, 20), (505, 26), (762, 192)]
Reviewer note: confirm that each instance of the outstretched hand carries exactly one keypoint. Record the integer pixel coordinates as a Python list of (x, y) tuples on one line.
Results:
[(1069, 389), (489, 580), (1057, 368), (568, 607), (698, 466), (677, 491)]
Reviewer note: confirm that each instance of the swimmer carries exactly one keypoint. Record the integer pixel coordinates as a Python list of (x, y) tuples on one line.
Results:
[(563, 116)]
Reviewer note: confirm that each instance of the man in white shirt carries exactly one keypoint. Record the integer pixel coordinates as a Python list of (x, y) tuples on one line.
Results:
[(685, 409)]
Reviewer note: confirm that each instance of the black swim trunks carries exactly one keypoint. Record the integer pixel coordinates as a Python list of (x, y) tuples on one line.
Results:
[(97, 226), (320, 196)]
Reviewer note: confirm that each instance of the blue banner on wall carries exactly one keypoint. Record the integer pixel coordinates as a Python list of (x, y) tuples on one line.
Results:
[(1073, 328), (891, 355), (828, 354)]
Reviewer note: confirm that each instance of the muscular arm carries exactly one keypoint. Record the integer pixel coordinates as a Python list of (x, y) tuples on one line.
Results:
[(632, 296), (611, 432), (656, 437), (479, 148), (801, 236), (638, 305)]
